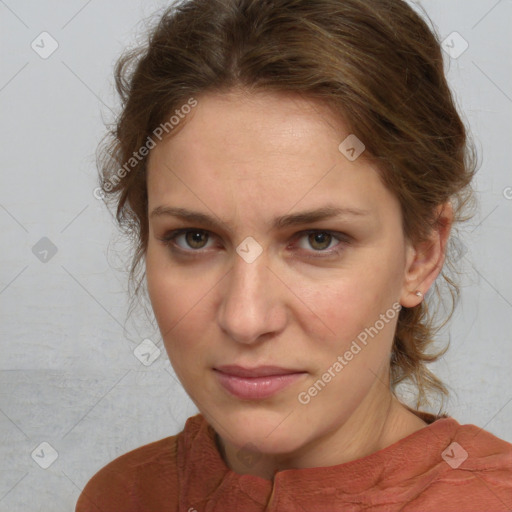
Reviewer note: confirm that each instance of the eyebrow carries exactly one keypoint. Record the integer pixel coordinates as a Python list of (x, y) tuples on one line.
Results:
[(284, 221)]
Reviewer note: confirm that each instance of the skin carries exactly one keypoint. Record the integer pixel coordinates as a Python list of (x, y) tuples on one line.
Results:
[(245, 159)]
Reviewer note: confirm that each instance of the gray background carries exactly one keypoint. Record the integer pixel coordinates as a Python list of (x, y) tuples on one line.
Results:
[(68, 373)]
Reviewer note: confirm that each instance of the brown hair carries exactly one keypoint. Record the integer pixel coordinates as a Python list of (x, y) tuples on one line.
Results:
[(375, 63)]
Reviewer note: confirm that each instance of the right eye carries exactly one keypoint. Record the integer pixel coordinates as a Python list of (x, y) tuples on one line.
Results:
[(187, 240)]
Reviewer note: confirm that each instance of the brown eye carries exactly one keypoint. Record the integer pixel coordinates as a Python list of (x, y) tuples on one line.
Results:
[(320, 240), (187, 240), (322, 244), (196, 239)]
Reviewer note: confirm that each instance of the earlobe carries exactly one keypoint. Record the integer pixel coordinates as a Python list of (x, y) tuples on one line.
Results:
[(425, 260)]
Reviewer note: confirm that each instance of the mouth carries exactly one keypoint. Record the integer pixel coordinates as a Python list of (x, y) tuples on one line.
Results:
[(256, 383)]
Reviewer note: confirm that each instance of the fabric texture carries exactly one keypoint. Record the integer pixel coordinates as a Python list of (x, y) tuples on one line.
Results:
[(443, 467)]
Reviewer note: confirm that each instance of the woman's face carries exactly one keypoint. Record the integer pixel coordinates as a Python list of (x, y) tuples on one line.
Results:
[(265, 272)]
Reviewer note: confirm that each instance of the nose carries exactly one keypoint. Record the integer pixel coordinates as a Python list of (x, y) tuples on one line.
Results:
[(251, 307)]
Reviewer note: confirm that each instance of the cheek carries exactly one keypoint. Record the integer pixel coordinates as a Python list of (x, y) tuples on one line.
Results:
[(160, 289), (357, 309), (168, 291), (179, 301), (346, 303)]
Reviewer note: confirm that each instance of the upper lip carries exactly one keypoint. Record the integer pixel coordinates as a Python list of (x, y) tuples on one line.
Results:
[(258, 371)]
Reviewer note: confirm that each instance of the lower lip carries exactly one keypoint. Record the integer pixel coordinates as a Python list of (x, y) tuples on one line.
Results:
[(256, 388)]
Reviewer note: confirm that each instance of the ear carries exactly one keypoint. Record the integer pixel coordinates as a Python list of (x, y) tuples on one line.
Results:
[(425, 260)]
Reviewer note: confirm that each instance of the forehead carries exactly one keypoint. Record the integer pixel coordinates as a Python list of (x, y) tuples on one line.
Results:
[(242, 127), (266, 150)]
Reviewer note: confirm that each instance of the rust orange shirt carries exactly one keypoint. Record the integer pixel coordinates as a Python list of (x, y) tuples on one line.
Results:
[(443, 467)]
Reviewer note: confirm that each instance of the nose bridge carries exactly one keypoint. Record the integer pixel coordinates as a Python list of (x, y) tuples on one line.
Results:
[(249, 306)]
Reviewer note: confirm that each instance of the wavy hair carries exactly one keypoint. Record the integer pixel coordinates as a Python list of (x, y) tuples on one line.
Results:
[(375, 63)]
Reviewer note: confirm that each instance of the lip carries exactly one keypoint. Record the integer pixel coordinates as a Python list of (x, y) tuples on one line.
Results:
[(256, 383), (257, 371)]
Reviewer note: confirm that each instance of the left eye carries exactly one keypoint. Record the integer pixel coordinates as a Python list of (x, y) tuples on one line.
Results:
[(319, 240)]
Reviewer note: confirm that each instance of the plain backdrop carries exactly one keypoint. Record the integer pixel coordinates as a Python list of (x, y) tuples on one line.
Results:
[(73, 394)]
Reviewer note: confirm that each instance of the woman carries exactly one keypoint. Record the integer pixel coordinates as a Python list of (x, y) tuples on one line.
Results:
[(291, 171)]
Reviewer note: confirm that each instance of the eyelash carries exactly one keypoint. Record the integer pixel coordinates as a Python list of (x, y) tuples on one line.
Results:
[(169, 240)]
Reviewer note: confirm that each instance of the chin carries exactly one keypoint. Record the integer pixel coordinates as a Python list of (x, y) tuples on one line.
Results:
[(272, 432)]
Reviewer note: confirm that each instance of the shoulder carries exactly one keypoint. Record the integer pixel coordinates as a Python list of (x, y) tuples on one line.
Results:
[(477, 450), (143, 479), (474, 473)]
